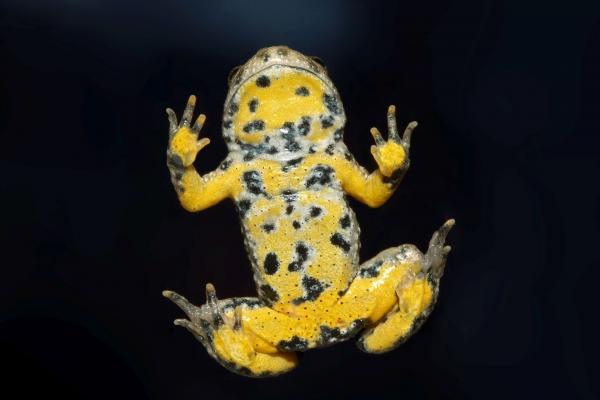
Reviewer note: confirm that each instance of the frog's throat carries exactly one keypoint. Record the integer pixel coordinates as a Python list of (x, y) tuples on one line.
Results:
[(235, 89)]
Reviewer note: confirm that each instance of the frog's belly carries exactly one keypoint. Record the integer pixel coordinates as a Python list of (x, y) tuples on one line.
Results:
[(303, 247)]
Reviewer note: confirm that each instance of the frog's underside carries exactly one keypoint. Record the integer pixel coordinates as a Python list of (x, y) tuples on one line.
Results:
[(289, 171)]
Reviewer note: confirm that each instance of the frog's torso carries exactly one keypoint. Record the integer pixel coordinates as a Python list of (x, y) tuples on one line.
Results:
[(283, 127)]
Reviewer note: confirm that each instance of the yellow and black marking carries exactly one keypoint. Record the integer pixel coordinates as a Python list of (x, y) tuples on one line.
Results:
[(288, 172)]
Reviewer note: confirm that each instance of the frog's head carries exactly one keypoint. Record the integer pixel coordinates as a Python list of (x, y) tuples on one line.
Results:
[(282, 105)]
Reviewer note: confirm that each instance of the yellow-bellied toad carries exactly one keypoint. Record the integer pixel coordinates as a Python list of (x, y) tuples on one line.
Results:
[(288, 171)]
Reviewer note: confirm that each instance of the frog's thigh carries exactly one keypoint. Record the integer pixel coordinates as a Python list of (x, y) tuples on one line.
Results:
[(393, 294), (247, 350)]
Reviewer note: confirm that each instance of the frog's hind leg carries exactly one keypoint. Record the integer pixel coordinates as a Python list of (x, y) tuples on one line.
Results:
[(397, 291), (219, 326)]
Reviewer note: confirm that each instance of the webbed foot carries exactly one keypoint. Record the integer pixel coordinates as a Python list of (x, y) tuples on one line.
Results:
[(223, 335)]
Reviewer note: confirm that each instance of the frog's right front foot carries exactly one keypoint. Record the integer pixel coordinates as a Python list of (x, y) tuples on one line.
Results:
[(222, 334), (183, 141)]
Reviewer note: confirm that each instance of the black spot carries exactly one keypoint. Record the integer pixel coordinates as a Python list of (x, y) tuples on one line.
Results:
[(233, 108), (256, 125), (273, 150), (315, 211), (227, 124), (334, 335), (268, 227), (288, 133), (326, 122), (321, 174), (338, 240), (263, 81), (304, 126), (312, 287), (238, 301), (345, 221), (253, 105), (302, 91), (295, 161), (253, 182), (294, 344), (268, 294), (338, 135), (331, 103), (329, 149), (291, 163), (395, 178), (312, 150), (348, 156), (296, 225), (289, 196), (264, 54), (243, 207), (302, 252), (225, 164), (175, 162), (290, 143), (289, 209), (271, 264), (300, 257), (371, 271), (288, 127)]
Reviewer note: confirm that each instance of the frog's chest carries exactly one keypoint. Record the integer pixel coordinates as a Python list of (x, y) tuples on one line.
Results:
[(300, 233)]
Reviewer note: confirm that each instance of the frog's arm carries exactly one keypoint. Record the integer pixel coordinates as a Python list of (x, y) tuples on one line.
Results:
[(392, 157), (195, 192)]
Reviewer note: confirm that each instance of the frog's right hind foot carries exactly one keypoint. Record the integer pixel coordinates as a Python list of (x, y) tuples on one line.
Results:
[(222, 334)]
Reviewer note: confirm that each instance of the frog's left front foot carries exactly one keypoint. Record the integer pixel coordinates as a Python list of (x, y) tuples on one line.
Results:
[(223, 335), (392, 155)]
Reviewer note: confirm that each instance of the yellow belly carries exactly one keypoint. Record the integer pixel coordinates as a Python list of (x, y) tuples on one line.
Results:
[(299, 247)]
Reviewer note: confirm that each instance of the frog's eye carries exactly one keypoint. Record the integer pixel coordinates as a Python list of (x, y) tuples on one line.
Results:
[(233, 74), (318, 61)]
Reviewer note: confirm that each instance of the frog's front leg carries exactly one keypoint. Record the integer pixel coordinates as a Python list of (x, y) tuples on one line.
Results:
[(195, 192), (395, 291), (393, 161), (225, 329)]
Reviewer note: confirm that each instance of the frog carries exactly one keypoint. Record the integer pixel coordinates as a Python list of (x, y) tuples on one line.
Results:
[(289, 174)]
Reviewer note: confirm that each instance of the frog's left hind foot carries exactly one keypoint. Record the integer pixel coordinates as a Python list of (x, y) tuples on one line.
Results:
[(223, 335), (417, 293)]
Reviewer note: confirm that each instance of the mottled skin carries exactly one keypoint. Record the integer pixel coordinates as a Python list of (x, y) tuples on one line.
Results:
[(288, 171)]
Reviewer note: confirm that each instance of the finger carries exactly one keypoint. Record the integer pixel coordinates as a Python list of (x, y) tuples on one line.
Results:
[(408, 134), (172, 121), (392, 127), (377, 136), (202, 143), (376, 153), (188, 308), (199, 124), (237, 318), (189, 111), (191, 327), (440, 234), (213, 305)]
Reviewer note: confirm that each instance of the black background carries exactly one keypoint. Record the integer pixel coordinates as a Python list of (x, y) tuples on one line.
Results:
[(506, 94)]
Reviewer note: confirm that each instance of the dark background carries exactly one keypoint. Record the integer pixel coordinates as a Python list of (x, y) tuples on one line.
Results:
[(506, 94)]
